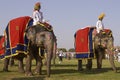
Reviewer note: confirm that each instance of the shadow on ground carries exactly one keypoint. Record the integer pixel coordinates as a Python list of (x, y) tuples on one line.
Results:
[(30, 78), (84, 71)]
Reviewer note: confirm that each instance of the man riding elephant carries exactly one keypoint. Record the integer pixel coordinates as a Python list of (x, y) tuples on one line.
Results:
[(99, 24), (38, 17), (37, 14)]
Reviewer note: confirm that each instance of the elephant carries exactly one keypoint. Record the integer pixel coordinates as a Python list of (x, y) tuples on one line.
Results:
[(8, 61), (39, 37), (16, 51), (102, 43), (22, 24)]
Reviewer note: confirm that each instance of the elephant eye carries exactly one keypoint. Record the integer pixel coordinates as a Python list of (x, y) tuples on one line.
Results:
[(32, 31)]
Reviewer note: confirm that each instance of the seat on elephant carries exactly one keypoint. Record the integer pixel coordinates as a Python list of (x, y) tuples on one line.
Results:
[(102, 32), (44, 26)]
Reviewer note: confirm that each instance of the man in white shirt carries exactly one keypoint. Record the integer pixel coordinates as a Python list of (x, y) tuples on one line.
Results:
[(38, 18), (60, 56), (99, 24), (37, 14)]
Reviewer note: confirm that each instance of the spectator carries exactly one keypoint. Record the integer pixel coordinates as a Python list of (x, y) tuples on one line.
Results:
[(60, 56)]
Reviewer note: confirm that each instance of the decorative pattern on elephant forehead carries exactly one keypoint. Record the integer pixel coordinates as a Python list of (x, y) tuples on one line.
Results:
[(49, 37)]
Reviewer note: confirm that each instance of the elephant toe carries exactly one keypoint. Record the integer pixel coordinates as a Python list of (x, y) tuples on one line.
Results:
[(37, 72), (6, 70), (81, 69), (22, 71), (115, 71), (29, 74)]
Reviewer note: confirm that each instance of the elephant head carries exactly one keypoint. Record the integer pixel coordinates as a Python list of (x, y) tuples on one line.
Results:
[(100, 41), (30, 33)]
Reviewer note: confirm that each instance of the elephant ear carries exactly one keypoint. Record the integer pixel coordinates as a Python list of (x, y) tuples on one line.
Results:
[(97, 40), (110, 33), (30, 28), (30, 33)]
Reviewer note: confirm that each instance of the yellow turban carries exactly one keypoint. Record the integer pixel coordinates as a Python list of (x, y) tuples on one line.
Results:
[(37, 6), (101, 16)]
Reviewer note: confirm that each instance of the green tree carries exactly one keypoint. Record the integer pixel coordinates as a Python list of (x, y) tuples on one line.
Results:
[(71, 50), (63, 49)]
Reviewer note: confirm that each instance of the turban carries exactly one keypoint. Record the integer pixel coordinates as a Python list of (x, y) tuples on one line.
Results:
[(101, 16), (37, 6)]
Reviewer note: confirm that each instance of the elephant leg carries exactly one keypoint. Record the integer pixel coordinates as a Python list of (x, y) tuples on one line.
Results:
[(38, 69), (80, 65), (28, 65), (99, 61), (54, 57), (111, 59), (54, 53), (48, 61), (49, 49), (6, 63), (48, 66), (21, 65), (89, 64), (11, 61)]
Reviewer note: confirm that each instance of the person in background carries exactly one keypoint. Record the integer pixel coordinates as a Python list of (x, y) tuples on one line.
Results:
[(37, 14), (99, 24), (60, 56)]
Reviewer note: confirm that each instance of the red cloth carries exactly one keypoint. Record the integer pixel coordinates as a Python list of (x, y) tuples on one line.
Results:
[(107, 30), (82, 41), (2, 46), (16, 30)]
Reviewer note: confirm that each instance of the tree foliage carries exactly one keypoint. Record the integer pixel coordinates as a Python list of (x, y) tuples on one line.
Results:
[(71, 50), (63, 49)]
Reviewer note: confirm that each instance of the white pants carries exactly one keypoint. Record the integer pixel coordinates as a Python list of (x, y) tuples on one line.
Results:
[(118, 57)]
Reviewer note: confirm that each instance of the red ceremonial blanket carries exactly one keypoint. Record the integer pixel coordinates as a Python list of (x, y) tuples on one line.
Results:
[(81, 40), (2, 46), (108, 31), (83, 43), (16, 30), (16, 41)]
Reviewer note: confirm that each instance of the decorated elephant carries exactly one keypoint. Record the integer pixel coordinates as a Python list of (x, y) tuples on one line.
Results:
[(18, 45), (91, 45), (104, 43), (40, 36), (16, 42)]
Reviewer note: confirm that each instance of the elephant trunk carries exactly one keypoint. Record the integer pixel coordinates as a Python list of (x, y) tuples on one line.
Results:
[(111, 59)]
